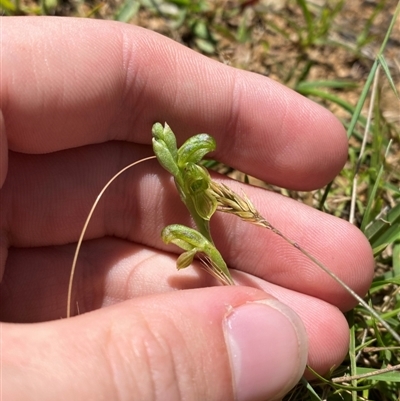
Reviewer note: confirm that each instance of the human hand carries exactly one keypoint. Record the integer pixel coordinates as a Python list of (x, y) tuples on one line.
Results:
[(78, 100)]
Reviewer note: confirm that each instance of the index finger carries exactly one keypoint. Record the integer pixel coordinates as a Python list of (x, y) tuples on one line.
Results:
[(71, 82)]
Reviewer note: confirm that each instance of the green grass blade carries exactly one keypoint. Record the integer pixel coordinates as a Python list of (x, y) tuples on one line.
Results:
[(310, 91), (378, 285), (385, 67), (390, 29), (326, 83), (127, 11), (391, 235), (352, 353), (8, 6), (396, 261), (311, 392), (378, 227), (181, 3), (366, 218), (361, 100), (393, 377), (308, 19), (371, 75)]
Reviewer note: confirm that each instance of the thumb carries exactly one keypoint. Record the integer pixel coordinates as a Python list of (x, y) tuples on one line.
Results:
[(3, 175), (204, 344)]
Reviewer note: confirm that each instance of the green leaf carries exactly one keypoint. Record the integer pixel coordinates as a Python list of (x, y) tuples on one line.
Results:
[(308, 18), (127, 11), (378, 228), (311, 392), (385, 67), (312, 91), (379, 284), (336, 84), (396, 260), (366, 218), (49, 6), (205, 45), (200, 30), (181, 3), (243, 33), (8, 6), (391, 235)]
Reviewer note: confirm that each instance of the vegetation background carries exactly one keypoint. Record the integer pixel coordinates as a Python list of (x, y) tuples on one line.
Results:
[(330, 51)]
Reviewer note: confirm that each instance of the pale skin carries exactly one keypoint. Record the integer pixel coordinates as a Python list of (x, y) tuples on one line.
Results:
[(92, 90)]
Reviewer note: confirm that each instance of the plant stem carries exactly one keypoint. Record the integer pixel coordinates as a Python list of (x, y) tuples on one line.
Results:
[(231, 202), (78, 246)]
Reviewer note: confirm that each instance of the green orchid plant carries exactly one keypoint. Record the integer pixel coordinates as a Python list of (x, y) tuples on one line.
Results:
[(194, 186)]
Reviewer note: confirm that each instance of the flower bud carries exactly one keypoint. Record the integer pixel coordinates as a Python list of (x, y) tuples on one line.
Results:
[(164, 156), (166, 135), (195, 148)]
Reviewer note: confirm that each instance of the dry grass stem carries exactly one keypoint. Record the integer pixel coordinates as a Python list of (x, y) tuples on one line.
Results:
[(78, 246), (378, 372), (231, 202), (362, 150)]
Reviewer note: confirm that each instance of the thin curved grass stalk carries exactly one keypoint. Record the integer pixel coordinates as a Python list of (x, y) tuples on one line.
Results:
[(78, 246), (230, 202), (345, 379)]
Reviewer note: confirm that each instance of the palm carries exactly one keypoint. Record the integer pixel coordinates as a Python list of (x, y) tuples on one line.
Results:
[(69, 131)]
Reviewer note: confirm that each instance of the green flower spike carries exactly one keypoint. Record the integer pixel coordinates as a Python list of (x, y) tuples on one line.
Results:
[(193, 183)]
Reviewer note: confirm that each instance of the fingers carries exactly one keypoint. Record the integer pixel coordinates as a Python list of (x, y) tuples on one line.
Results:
[(113, 81), (228, 343), (47, 198), (122, 270), (140, 203)]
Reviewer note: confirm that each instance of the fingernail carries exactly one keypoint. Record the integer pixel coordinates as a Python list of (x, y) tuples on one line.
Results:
[(267, 346)]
